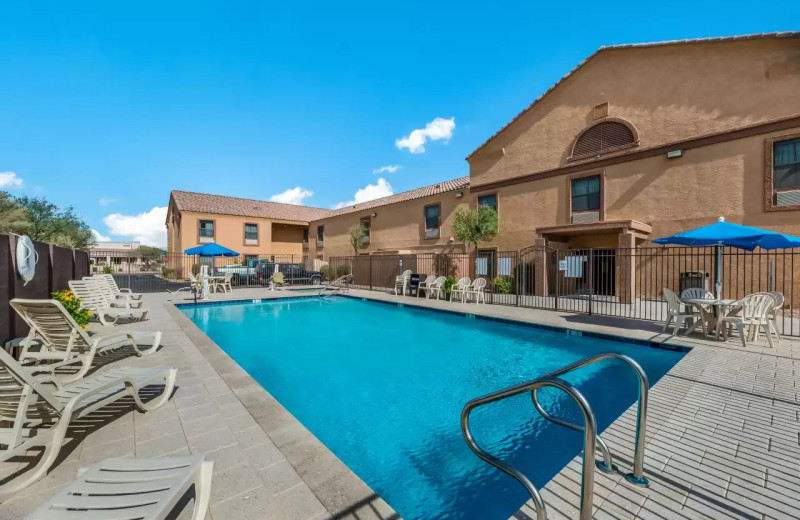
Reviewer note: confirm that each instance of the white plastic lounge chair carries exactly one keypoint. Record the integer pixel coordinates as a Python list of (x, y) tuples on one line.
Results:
[(459, 289), (125, 292), (114, 300), (425, 286), (93, 299), (146, 489), (754, 314), (773, 312), (436, 288), (193, 286), (39, 416), (676, 313), (401, 282), (65, 344), (477, 289)]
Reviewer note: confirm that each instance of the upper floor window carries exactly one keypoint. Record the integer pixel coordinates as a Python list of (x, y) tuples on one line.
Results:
[(205, 231), (251, 234), (366, 222), (488, 200), (786, 165), (305, 237), (320, 235), (432, 221), (603, 137), (586, 194)]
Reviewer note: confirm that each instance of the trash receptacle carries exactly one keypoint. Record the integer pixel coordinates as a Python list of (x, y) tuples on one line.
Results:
[(413, 283), (692, 280)]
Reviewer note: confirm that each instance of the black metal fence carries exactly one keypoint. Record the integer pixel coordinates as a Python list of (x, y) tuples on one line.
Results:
[(613, 282)]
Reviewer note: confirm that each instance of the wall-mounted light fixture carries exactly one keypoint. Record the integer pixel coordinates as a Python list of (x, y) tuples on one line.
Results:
[(459, 194), (674, 154), (373, 215)]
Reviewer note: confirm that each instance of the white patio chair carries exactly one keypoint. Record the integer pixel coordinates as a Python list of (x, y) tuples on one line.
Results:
[(147, 489), (773, 312), (437, 288), (93, 299), (65, 344), (227, 283), (477, 290), (114, 300), (37, 416), (676, 313), (696, 293), (754, 315), (116, 290), (401, 282), (425, 286), (459, 289)]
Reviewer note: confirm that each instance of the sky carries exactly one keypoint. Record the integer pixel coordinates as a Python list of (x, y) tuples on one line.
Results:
[(107, 106)]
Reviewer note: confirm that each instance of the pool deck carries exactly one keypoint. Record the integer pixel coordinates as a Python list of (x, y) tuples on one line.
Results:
[(723, 431)]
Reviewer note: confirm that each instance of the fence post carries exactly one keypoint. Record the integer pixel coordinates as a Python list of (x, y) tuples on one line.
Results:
[(516, 270), (591, 279), (370, 272)]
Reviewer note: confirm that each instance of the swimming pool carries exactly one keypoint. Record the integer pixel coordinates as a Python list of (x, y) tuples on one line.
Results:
[(383, 386)]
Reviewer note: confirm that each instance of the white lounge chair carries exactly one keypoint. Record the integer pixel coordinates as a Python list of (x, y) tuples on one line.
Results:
[(754, 313), (146, 489), (436, 288), (459, 289), (114, 300), (477, 289), (65, 344), (40, 417), (676, 313), (401, 282), (425, 286), (194, 287), (125, 292), (93, 299)]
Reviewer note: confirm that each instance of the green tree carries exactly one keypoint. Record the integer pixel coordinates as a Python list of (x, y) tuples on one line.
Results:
[(46, 222), (473, 226), (356, 235), (13, 217)]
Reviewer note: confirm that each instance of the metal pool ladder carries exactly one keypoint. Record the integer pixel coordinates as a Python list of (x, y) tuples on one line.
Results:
[(337, 286), (589, 429)]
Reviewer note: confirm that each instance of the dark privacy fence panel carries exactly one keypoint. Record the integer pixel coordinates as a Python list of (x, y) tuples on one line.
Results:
[(56, 266)]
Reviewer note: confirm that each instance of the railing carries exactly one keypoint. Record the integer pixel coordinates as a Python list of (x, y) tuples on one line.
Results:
[(341, 284), (589, 430)]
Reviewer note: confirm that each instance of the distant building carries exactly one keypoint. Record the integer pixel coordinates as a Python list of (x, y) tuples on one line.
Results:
[(121, 256)]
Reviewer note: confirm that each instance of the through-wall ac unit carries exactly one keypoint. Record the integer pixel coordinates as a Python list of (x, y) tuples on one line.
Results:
[(787, 198), (585, 217)]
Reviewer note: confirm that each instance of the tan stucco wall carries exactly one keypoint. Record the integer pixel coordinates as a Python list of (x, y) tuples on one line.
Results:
[(399, 226), (668, 93)]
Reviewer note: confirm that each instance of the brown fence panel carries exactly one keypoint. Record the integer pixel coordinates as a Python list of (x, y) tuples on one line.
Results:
[(6, 288)]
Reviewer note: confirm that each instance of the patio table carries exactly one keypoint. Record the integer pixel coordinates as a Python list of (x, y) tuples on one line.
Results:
[(214, 282), (712, 311)]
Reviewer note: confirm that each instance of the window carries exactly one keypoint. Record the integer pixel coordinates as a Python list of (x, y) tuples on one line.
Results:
[(786, 165), (320, 235), (205, 231), (251, 234), (432, 221), (366, 222), (604, 137), (586, 194), (305, 237), (488, 200), (485, 263)]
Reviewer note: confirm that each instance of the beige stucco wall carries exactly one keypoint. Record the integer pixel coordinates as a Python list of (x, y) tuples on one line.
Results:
[(667, 92)]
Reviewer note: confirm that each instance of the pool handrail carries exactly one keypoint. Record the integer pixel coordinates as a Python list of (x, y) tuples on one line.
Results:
[(589, 437), (337, 285)]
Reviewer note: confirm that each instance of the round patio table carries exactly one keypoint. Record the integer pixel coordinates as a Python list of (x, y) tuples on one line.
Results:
[(712, 312)]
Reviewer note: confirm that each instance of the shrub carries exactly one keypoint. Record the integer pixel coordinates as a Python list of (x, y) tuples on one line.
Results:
[(72, 304), (108, 269), (167, 272), (449, 282), (195, 269), (503, 285), (326, 271)]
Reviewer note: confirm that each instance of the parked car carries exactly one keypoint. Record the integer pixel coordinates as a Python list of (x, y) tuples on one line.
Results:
[(242, 274), (292, 273)]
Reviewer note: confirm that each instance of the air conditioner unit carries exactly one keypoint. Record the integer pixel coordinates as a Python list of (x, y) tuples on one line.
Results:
[(585, 217), (787, 198)]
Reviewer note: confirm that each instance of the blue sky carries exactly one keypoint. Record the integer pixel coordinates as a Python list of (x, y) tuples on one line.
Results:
[(107, 106)]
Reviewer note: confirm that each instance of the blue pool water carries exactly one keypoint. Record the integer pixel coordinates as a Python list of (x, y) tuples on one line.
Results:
[(383, 387)]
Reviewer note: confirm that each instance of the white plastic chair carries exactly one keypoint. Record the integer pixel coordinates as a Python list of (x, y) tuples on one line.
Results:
[(676, 313), (125, 293), (94, 300), (425, 286), (436, 288), (401, 282), (476, 289), (460, 289), (696, 293), (755, 309), (773, 312)]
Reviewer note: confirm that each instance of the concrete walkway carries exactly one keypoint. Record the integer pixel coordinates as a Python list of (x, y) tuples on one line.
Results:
[(723, 432)]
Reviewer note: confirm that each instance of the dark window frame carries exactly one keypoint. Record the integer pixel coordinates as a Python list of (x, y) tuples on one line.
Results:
[(257, 233), (770, 192), (213, 235), (586, 175), (438, 228)]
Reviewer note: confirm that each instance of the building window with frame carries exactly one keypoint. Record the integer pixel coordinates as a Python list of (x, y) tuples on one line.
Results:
[(366, 222), (488, 200), (320, 236), (205, 231), (786, 172), (305, 238), (251, 234), (585, 199), (432, 221)]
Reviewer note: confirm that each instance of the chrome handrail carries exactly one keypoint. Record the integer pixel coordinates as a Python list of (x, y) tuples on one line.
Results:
[(589, 437), (637, 476), (337, 285)]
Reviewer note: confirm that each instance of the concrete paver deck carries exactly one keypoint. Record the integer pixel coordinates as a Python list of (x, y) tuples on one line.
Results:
[(723, 432)]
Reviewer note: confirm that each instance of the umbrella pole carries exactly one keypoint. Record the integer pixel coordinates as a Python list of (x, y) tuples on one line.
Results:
[(718, 272)]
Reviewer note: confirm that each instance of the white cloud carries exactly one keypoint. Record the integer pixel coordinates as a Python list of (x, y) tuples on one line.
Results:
[(292, 196), (439, 128), (107, 201), (147, 228), (387, 169), (382, 188), (10, 180), (99, 237)]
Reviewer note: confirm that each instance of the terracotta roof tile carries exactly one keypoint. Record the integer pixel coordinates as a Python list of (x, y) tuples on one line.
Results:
[(758, 36), (223, 205)]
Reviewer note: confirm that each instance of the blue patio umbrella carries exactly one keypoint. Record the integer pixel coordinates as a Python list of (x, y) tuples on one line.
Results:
[(211, 250), (723, 233)]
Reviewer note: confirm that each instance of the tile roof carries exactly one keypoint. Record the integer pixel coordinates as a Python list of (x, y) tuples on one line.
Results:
[(223, 205), (758, 36), (461, 183)]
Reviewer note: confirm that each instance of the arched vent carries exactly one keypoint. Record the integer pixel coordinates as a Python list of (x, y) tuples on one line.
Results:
[(603, 137)]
